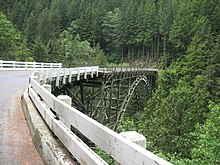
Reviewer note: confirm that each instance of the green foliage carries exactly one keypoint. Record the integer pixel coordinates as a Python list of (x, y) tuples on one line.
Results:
[(110, 29), (39, 50), (11, 45), (213, 71), (75, 52), (9, 38), (207, 142), (168, 121), (127, 124), (23, 52), (185, 25), (180, 101), (124, 30), (104, 156), (98, 57)]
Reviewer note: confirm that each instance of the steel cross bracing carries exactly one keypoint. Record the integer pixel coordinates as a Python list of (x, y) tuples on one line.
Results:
[(115, 91)]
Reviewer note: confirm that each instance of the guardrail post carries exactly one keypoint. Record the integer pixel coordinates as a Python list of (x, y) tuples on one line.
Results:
[(1, 63), (37, 76), (48, 87), (50, 72), (34, 64), (85, 74), (92, 73), (13, 64), (65, 98), (58, 78), (78, 76), (97, 72), (135, 137), (60, 65), (64, 76), (70, 76), (45, 76)]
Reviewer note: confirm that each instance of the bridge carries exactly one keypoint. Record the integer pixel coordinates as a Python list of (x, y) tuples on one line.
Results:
[(105, 96), (83, 103)]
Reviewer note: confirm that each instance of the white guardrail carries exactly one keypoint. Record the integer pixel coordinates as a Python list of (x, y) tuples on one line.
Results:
[(15, 65), (122, 150)]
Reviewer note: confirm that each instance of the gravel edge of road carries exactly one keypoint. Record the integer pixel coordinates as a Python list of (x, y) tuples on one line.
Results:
[(48, 146)]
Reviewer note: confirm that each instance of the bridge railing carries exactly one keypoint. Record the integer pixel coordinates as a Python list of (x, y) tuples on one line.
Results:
[(16, 65), (64, 117), (126, 69)]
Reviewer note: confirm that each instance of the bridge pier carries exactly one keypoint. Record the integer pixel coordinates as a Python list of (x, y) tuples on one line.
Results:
[(135, 137)]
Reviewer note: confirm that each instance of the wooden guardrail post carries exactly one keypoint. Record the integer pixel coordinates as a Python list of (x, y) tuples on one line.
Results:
[(47, 87), (34, 64), (135, 137), (13, 64), (68, 100), (97, 72), (58, 78), (37, 76), (1, 63), (64, 76), (70, 76), (65, 98), (60, 65), (78, 75)]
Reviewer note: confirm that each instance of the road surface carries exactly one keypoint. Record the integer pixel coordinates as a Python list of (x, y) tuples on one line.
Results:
[(16, 147)]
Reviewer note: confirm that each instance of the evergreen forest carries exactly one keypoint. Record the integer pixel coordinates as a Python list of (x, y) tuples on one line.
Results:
[(181, 120)]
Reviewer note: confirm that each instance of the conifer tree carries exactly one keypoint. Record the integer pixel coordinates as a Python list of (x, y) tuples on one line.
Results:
[(9, 39)]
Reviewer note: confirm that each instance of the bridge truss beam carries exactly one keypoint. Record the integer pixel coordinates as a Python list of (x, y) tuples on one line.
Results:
[(106, 98)]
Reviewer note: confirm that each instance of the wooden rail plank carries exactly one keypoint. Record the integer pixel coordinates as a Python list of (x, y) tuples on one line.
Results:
[(120, 149), (75, 145), (44, 94)]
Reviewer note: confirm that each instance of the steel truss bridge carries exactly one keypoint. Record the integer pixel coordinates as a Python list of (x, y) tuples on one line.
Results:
[(106, 96)]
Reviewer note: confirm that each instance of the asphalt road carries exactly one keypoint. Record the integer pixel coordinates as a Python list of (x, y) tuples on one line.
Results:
[(16, 147)]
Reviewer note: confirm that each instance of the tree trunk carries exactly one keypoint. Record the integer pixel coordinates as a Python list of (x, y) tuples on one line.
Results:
[(158, 47), (128, 52), (138, 51), (132, 52), (152, 51), (122, 53), (164, 51)]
